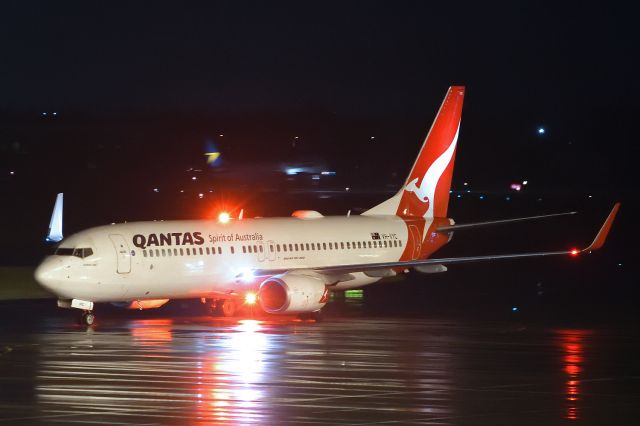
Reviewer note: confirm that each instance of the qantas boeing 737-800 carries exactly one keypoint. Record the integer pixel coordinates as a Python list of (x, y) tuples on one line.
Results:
[(291, 263)]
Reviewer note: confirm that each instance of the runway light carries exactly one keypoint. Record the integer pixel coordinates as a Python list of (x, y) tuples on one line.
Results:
[(224, 217), (250, 298), (514, 309), (541, 130)]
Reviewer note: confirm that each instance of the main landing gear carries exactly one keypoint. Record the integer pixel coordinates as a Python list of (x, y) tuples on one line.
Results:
[(224, 307), (87, 318)]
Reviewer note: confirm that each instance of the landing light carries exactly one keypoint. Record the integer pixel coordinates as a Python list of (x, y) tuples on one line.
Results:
[(574, 252), (224, 217), (250, 298)]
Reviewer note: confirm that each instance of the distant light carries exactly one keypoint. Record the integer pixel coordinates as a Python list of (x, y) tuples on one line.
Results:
[(459, 196), (508, 198), (201, 195), (468, 191), (328, 173), (193, 178), (514, 309), (296, 137), (44, 114), (347, 188), (55, 113), (466, 183), (620, 264), (372, 137), (524, 182), (12, 173), (156, 190), (292, 171), (182, 190), (590, 196), (516, 186), (482, 197), (224, 217), (220, 135), (541, 130), (574, 252), (250, 298)]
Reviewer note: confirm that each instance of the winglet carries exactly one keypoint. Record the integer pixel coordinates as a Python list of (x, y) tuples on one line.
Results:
[(598, 242), (55, 226)]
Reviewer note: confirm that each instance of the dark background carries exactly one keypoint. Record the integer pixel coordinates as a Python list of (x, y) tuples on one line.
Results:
[(141, 91)]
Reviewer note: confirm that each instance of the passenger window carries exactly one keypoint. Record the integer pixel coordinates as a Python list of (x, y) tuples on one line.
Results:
[(181, 252), (278, 247), (313, 246), (284, 247), (255, 249), (400, 243), (244, 249), (144, 253), (188, 250), (307, 245), (169, 252), (219, 250), (157, 252), (324, 246), (290, 247), (232, 250), (271, 248), (261, 249), (175, 251), (330, 246), (207, 250), (296, 246), (348, 245), (150, 253), (164, 253), (200, 250), (342, 245)]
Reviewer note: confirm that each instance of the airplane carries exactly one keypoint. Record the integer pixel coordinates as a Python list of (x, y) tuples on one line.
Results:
[(287, 265)]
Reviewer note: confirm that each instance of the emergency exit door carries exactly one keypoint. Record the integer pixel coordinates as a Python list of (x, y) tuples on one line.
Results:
[(122, 253)]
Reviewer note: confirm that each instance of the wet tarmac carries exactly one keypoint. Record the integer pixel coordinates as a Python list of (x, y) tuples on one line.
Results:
[(349, 369)]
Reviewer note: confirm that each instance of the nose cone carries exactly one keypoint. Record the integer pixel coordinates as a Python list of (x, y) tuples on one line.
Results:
[(47, 274)]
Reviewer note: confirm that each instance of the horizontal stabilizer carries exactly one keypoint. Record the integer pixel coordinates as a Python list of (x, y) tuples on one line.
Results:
[(464, 226)]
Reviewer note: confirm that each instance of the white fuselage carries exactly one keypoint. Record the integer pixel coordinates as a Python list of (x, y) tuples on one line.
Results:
[(158, 260)]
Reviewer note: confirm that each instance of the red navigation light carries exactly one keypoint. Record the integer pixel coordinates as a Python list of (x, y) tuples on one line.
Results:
[(574, 252)]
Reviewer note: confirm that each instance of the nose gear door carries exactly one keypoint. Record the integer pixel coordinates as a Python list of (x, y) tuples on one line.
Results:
[(123, 255)]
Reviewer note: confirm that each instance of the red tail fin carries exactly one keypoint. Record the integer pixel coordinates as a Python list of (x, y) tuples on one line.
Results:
[(426, 190)]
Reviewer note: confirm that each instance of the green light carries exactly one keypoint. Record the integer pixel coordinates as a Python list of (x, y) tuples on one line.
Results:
[(354, 294)]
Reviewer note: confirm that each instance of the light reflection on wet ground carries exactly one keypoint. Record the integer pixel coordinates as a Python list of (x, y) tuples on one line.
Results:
[(200, 370)]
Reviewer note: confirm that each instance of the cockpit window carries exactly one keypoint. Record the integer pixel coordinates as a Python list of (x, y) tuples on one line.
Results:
[(78, 252)]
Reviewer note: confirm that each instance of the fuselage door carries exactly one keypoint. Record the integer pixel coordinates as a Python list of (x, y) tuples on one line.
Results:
[(122, 253), (415, 240)]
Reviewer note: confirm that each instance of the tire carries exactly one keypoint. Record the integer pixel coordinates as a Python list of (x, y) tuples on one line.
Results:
[(88, 318)]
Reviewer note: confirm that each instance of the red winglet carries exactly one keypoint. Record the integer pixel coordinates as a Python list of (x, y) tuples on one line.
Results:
[(598, 242)]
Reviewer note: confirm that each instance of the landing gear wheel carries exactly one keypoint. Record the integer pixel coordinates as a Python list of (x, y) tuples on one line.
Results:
[(227, 307), (88, 318)]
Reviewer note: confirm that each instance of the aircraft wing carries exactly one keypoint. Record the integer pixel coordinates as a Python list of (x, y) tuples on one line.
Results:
[(337, 270)]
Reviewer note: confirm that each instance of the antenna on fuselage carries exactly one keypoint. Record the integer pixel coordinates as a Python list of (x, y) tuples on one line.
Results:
[(349, 213), (241, 214), (55, 225)]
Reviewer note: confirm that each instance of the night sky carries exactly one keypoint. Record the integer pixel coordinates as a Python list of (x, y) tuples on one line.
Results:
[(140, 88)]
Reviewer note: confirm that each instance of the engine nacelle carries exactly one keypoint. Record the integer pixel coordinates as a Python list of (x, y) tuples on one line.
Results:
[(141, 304), (289, 294)]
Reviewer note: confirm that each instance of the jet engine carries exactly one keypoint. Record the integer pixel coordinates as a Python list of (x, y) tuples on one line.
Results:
[(291, 294), (141, 304)]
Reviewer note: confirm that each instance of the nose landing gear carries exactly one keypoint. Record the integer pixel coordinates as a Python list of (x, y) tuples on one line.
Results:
[(87, 318)]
